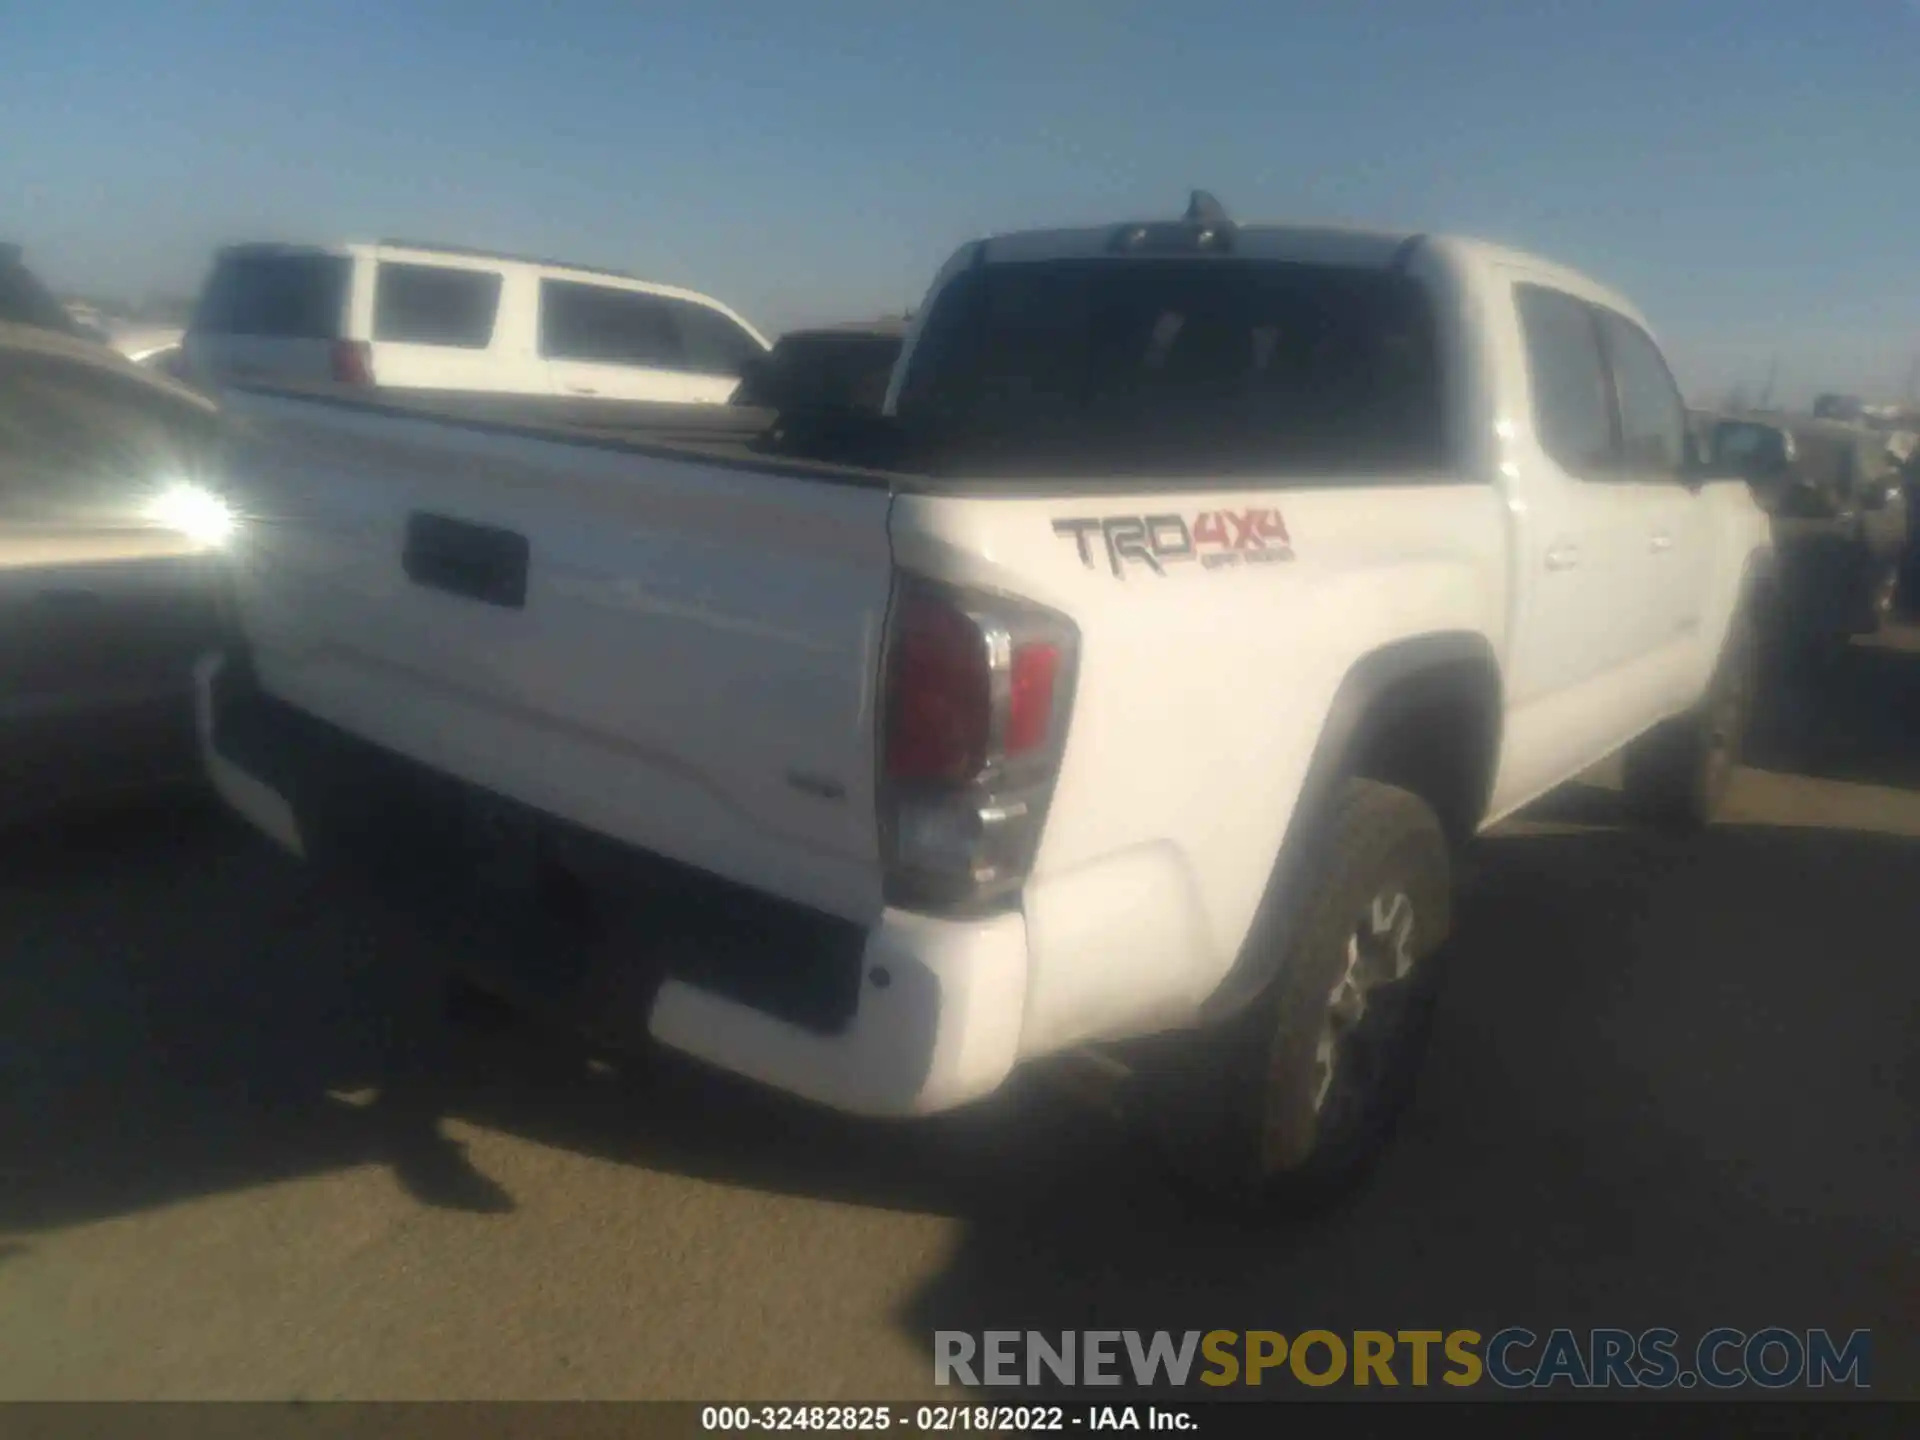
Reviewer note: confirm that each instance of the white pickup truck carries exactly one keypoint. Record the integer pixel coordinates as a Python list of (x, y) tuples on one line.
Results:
[(1219, 583)]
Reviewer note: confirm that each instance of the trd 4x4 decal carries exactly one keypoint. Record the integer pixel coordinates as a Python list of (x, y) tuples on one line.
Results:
[(1213, 538)]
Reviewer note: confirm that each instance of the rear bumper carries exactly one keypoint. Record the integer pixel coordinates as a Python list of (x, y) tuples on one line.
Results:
[(909, 1015)]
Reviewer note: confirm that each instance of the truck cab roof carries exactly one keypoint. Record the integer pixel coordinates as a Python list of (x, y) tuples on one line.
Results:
[(1305, 243)]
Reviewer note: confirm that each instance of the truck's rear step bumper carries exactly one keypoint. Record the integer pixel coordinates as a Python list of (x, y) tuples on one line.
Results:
[(910, 1015)]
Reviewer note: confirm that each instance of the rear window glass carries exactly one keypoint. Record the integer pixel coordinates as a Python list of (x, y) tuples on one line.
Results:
[(1178, 368), (281, 297), (435, 305), (611, 327)]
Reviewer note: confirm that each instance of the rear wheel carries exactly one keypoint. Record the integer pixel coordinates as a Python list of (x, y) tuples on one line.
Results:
[(1886, 599), (1288, 1103), (1677, 776)]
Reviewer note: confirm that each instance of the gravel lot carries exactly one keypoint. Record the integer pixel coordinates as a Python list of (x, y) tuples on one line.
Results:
[(243, 1155)]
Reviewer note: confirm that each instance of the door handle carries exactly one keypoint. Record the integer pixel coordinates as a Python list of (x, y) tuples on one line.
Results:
[(581, 390), (1563, 556), (1661, 542)]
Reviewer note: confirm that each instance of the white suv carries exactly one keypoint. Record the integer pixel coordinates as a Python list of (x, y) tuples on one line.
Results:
[(415, 317)]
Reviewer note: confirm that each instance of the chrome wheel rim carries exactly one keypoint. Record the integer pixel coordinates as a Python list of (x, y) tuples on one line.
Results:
[(1379, 953)]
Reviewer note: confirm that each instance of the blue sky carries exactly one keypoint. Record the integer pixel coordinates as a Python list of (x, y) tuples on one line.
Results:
[(1745, 169)]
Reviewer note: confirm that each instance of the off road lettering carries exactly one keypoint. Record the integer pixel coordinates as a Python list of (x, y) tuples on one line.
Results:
[(1218, 539)]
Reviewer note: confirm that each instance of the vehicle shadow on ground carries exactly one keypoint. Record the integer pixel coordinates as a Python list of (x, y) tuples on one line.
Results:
[(1671, 1084), (217, 1019), (1851, 715)]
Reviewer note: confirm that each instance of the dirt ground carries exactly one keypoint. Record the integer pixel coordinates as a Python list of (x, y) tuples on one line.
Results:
[(243, 1154)]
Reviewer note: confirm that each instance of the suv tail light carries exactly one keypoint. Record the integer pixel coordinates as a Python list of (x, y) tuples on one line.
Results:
[(978, 690), (352, 362)]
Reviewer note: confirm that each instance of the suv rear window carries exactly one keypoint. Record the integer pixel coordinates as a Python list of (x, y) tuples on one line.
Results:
[(281, 297), (435, 305), (1178, 368)]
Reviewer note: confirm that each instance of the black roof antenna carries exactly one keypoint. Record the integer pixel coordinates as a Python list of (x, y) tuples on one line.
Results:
[(1203, 209)]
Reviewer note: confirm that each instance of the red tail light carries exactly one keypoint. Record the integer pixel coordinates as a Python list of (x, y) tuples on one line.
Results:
[(939, 703), (975, 709), (352, 362), (1036, 666)]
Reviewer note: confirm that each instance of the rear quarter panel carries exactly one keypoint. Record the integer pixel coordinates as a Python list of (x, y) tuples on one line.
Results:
[(1201, 694)]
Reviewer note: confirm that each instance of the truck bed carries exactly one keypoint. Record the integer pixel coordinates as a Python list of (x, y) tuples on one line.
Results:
[(728, 435), (670, 642)]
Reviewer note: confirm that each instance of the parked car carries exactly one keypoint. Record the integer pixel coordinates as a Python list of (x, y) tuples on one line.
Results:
[(106, 590), (1839, 517), (842, 368), (416, 317), (1227, 580), (1907, 601), (1845, 409), (823, 385)]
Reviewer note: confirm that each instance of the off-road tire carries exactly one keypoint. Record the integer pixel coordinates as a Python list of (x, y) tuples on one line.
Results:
[(472, 1006), (1248, 1111)]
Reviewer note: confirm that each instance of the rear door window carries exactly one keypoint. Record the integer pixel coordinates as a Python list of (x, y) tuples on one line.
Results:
[(605, 326), (1572, 395), (1175, 367), (280, 297), (435, 305)]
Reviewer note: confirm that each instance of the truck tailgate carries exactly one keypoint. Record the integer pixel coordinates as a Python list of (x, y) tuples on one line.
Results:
[(680, 655)]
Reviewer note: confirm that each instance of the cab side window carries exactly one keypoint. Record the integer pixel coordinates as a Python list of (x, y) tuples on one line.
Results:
[(1653, 417), (1572, 397)]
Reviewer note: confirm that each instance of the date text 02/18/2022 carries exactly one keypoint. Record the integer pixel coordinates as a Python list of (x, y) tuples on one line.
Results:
[(941, 1419)]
